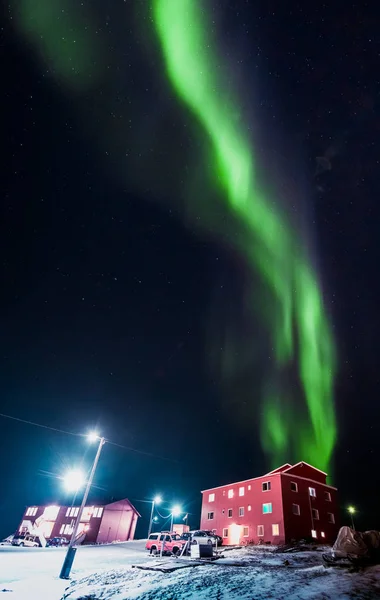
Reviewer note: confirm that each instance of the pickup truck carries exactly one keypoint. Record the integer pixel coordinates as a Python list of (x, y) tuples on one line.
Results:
[(172, 543)]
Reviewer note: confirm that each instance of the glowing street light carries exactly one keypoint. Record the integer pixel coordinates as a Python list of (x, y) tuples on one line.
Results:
[(93, 436), (74, 480), (70, 554), (156, 500), (352, 511), (176, 511)]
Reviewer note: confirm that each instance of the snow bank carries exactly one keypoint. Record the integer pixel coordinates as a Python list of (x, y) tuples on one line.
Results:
[(244, 574)]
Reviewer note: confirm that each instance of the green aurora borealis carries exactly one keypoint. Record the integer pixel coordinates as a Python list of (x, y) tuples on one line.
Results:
[(296, 320), (300, 332)]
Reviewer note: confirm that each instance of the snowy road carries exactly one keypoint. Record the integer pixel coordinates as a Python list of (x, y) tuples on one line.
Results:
[(33, 572)]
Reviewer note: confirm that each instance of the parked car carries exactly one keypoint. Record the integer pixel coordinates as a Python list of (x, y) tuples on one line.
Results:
[(202, 537), (218, 538), (173, 543), (7, 541), (29, 541), (57, 542)]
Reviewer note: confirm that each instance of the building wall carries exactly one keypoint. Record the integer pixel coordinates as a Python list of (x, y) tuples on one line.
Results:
[(252, 502), (113, 521), (118, 523), (301, 526)]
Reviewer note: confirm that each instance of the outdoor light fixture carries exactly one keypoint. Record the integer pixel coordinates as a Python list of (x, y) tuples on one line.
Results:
[(93, 436), (156, 500), (352, 511), (176, 510), (71, 550), (74, 480)]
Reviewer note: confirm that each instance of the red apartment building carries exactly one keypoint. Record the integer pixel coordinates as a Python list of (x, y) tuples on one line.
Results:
[(101, 524), (291, 502)]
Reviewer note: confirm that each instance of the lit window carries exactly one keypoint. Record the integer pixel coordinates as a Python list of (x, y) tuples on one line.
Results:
[(210, 516), (315, 513), (267, 508), (245, 531), (293, 486), (275, 530), (224, 492), (323, 534), (328, 496), (296, 509), (260, 530), (312, 492), (249, 508), (313, 533), (266, 486), (68, 512), (331, 518), (211, 497), (51, 513), (241, 511), (241, 491), (249, 488), (230, 513), (62, 529), (98, 512), (230, 493), (225, 533), (68, 530), (31, 511)]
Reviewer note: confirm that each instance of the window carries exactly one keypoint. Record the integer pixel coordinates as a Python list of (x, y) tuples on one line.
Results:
[(293, 486), (313, 533), (31, 511), (241, 491), (245, 531), (62, 529), (330, 518), (249, 508), (249, 488), (323, 534), (230, 493), (312, 492), (98, 512), (225, 533), (327, 496), (68, 512), (267, 508), (67, 530), (266, 486), (153, 536), (72, 512), (211, 497), (315, 513), (260, 530), (230, 513), (296, 509), (275, 530), (210, 516), (224, 492), (241, 511)]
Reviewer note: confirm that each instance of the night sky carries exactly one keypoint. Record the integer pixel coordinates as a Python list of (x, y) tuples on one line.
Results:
[(109, 297)]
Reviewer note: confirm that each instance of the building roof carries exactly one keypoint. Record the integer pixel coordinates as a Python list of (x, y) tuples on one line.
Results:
[(286, 468)]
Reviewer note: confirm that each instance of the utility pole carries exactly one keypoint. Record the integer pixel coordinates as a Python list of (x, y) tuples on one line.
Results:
[(71, 550)]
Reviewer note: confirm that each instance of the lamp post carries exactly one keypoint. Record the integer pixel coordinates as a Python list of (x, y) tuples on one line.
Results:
[(176, 511), (71, 550), (352, 511), (156, 500)]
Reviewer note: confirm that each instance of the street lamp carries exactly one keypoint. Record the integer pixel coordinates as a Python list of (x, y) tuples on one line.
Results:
[(352, 511), (156, 500), (71, 550), (176, 511), (74, 480)]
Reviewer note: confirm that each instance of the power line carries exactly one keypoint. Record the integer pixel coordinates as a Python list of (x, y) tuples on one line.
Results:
[(56, 429)]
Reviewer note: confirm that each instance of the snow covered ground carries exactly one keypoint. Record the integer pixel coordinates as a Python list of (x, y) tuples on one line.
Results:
[(34, 572), (256, 573)]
